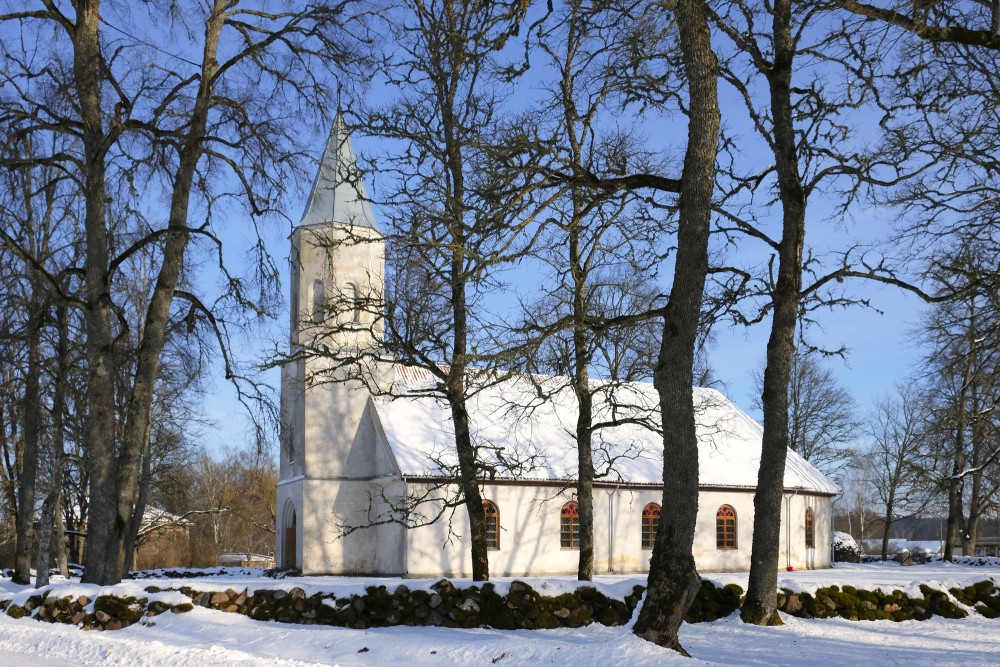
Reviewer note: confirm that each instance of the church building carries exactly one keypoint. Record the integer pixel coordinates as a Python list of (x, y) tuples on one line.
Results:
[(364, 465)]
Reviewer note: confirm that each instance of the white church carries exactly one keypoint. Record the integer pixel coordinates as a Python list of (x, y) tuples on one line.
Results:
[(364, 475)]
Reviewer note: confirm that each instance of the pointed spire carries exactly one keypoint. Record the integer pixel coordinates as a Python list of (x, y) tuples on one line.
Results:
[(338, 193)]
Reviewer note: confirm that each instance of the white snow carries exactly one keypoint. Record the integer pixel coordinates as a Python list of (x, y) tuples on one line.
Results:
[(204, 636), (511, 416)]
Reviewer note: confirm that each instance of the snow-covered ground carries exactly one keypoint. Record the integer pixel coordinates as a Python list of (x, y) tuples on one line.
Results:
[(203, 636)]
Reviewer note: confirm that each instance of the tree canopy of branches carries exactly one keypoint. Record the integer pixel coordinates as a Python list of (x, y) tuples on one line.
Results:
[(453, 220), (822, 420), (143, 121)]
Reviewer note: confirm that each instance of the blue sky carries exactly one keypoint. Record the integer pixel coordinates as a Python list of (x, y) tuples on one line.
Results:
[(880, 352)]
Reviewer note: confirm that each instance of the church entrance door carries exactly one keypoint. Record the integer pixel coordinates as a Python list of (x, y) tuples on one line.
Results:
[(288, 557)]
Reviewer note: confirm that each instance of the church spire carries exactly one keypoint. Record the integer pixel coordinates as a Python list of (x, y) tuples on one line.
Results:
[(338, 193)]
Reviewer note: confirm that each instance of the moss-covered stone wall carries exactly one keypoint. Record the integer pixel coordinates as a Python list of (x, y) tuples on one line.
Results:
[(521, 607)]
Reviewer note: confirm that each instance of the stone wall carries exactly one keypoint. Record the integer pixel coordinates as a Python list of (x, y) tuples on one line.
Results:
[(483, 606)]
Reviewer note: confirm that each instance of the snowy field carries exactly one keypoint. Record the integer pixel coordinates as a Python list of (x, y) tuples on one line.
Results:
[(206, 637)]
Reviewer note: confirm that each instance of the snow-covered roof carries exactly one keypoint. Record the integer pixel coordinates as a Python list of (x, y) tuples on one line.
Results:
[(157, 516), (524, 427), (899, 545)]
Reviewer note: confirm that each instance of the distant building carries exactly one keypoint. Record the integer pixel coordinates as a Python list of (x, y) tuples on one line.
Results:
[(246, 560), (353, 464), (900, 545), (164, 540)]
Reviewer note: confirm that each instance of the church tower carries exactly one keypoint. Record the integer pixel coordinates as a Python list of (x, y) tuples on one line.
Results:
[(337, 274)]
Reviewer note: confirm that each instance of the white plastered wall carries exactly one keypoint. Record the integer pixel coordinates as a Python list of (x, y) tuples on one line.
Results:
[(530, 544), (331, 467), (347, 520)]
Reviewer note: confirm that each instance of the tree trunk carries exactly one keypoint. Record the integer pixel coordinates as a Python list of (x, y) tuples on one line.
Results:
[(760, 606), (585, 484), (955, 484), (585, 403), (25, 534), (114, 494), (887, 525), (62, 557), (469, 482), (51, 521), (673, 579), (140, 509), (45, 532), (100, 432)]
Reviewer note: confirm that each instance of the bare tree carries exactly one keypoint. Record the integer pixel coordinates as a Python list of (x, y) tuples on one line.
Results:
[(36, 209), (962, 364), (600, 244), (800, 122), (896, 457), (451, 215), (822, 419), (673, 578), (201, 131)]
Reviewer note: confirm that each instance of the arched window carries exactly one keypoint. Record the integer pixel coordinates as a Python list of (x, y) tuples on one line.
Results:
[(810, 529), (319, 301), (492, 525), (569, 526), (725, 528), (650, 522), (354, 299)]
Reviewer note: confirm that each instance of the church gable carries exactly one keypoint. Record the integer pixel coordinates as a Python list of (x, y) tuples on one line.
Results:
[(384, 458)]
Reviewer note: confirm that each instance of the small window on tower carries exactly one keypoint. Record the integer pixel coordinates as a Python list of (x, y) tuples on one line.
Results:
[(319, 301), (354, 299)]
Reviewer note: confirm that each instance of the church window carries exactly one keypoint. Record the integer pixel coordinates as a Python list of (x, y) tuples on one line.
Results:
[(810, 529), (569, 526), (354, 299), (319, 301), (725, 528), (492, 525), (650, 523), (294, 305)]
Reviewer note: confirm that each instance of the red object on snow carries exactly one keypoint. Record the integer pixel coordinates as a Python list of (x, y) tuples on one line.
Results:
[(790, 568)]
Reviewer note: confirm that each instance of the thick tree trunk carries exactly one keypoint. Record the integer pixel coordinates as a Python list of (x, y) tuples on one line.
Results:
[(760, 606), (46, 534), (114, 490), (673, 580), (100, 433)]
